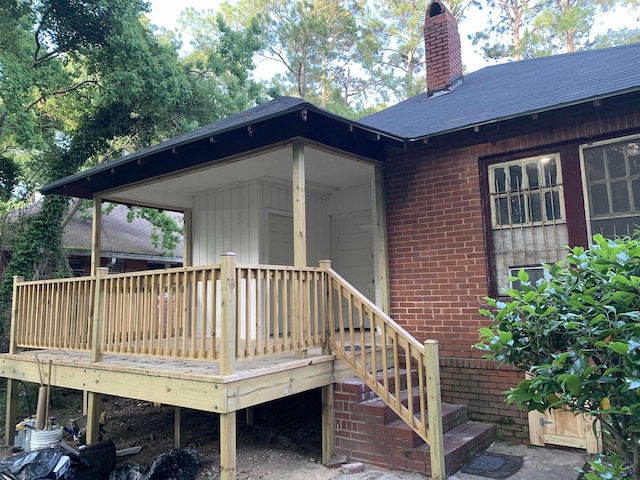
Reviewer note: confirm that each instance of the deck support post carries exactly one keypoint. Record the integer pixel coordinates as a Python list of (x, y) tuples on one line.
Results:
[(434, 408), (228, 446), (11, 414), (299, 240), (180, 416), (228, 327), (94, 401), (328, 424)]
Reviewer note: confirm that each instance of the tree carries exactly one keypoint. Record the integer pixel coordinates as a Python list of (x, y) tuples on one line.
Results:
[(82, 82), (576, 333), (506, 34), (318, 43), (220, 62), (531, 28)]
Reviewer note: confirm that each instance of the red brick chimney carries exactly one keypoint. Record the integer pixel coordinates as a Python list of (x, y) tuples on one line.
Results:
[(442, 49)]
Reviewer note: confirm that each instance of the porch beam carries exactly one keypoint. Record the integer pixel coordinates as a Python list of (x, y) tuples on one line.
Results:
[(381, 258), (96, 233)]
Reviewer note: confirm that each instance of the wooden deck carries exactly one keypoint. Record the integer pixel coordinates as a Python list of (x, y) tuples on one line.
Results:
[(191, 384), (218, 338)]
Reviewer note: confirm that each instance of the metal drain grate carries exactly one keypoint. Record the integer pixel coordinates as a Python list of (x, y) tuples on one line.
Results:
[(493, 465)]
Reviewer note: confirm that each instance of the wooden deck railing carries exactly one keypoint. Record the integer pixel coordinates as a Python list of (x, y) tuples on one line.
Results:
[(53, 313), (380, 351), (174, 313), (227, 312)]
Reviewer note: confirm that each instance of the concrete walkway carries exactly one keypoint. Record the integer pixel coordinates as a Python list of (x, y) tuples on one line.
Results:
[(538, 463)]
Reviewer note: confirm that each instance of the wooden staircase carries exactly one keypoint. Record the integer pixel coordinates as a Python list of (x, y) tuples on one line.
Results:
[(370, 431), (394, 419)]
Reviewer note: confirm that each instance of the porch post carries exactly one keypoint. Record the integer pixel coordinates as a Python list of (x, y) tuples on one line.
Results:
[(381, 260), (434, 410), (228, 320), (94, 400), (299, 239), (96, 233), (187, 239)]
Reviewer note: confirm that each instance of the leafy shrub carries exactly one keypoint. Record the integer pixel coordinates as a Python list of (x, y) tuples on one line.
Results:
[(577, 334)]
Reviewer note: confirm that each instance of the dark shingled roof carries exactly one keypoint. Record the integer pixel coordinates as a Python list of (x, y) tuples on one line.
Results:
[(514, 89)]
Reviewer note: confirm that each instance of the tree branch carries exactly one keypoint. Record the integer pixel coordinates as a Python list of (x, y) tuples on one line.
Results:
[(73, 88)]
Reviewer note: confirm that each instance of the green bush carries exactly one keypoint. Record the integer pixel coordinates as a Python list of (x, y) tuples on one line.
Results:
[(577, 334)]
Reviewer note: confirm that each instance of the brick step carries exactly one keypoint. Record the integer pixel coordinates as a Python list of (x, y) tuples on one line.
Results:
[(461, 444), (376, 408), (360, 391), (403, 436)]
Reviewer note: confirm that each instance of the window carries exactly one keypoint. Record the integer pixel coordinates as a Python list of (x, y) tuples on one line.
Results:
[(527, 215), (612, 175), (526, 192)]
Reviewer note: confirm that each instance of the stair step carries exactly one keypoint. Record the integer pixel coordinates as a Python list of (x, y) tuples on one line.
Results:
[(452, 414), (461, 444), (404, 436)]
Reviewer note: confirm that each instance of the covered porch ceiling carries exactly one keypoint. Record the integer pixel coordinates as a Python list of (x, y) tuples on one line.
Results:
[(251, 145), (326, 170)]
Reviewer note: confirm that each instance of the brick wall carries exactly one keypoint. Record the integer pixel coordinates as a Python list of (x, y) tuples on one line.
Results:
[(464, 381), (438, 270)]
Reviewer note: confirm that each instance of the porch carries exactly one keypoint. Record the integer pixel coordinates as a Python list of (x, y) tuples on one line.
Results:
[(218, 338)]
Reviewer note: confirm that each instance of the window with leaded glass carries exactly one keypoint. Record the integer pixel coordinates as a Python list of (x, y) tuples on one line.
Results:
[(612, 172), (527, 215), (526, 192)]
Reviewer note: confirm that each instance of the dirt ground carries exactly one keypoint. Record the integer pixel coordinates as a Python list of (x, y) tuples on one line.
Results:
[(282, 442)]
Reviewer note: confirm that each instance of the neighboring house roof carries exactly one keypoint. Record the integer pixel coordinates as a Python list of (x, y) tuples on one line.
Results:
[(120, 239), (515, 89)]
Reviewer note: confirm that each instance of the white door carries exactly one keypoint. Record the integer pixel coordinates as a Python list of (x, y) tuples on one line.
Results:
[(352, 250), (279, 239)]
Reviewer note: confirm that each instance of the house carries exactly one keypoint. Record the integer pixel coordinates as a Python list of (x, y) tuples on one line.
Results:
[(423, 209), (127, 245)]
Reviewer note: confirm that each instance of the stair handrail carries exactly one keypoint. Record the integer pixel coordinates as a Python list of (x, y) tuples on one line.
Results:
[(428, 427)]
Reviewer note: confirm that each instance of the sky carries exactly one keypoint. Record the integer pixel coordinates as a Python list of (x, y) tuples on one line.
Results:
[(165, 13)]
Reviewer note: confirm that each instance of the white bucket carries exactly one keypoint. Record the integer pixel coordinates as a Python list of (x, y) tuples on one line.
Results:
[(45, 438)]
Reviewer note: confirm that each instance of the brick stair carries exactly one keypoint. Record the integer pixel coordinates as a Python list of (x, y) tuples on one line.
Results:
[(369, 431)]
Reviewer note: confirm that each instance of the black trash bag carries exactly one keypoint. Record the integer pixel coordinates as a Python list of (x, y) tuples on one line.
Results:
[(174, 465), (35, 465)]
